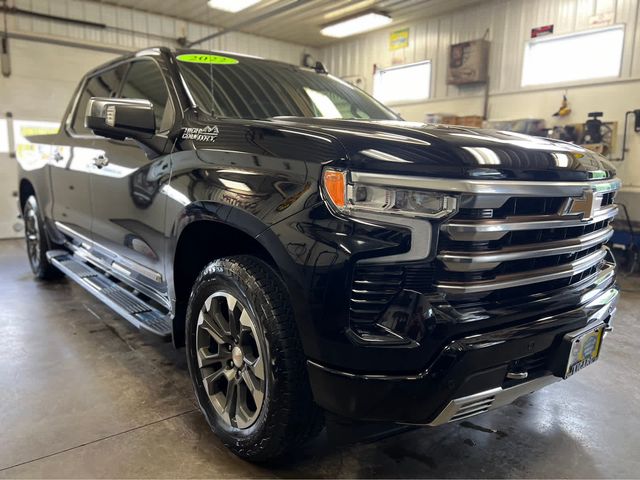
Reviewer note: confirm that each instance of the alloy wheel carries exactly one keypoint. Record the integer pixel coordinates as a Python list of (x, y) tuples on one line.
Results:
[(231, 360), (32, 235)]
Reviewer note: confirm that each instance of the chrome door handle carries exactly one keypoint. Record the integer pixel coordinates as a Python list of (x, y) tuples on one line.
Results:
[(101, 161)]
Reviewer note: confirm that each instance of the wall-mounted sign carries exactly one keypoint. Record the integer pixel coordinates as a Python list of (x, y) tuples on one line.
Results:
[(468, 62), (602, 19), (399, 39), (541, 31)]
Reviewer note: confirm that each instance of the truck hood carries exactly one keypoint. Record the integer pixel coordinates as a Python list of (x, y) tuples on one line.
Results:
[(454, 151)]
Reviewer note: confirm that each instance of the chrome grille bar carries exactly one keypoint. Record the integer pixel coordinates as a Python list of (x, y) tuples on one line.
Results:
[(477, 261), (484, 187), (524, 278), (488, 230)]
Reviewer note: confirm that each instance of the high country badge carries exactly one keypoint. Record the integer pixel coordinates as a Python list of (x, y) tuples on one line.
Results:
[(205, 134)]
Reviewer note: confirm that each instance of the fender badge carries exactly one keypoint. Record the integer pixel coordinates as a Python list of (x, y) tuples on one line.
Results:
[(205, 134)]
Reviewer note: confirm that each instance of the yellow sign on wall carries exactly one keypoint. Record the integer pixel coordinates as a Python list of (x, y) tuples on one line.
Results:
[(399, 39)]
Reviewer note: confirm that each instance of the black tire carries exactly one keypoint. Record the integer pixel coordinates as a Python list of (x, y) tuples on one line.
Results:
[(288, 417), (38, 242)]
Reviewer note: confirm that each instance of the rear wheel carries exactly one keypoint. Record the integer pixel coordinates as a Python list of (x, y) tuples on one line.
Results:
[(38, 242), (246, 360)]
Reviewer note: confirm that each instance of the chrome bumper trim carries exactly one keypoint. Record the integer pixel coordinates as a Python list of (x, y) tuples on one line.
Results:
[(481, 402), (471, 405)]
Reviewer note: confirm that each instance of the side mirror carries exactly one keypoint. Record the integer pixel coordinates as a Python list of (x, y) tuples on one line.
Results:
[(121, 118)]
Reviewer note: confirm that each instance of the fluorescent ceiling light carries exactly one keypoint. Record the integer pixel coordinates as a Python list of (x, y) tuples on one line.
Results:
[(232, 6), (354, 25)]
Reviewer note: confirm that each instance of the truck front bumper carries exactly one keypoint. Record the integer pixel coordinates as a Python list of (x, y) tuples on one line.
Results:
[(471, 375)]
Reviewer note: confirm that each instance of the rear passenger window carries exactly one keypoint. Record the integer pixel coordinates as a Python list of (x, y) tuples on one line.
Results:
[(104, 85), (145, 81)]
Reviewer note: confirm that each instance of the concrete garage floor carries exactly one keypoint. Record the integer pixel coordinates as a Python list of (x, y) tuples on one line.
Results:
[(83, 394)]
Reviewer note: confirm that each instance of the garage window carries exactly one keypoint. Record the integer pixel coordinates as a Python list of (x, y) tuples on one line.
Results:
[(569, 58), (404, 83)]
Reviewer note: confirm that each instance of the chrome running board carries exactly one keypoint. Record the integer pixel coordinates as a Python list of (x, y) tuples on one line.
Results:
[(133, 308)]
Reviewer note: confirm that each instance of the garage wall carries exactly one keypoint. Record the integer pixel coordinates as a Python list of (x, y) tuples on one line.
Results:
[(508, 23), (44, 74)]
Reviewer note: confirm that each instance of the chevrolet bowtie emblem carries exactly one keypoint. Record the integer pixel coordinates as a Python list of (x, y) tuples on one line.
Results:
[(586, 206)]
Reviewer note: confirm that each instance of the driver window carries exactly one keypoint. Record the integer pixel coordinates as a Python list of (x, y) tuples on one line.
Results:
[(145, 81), (103, 85)]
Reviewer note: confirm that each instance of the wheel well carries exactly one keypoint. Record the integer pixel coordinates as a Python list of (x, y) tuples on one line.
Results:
[(199, 244), (26, 190)]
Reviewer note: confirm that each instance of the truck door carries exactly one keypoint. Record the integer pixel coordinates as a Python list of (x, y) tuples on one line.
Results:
[(71, 171), (126, 190)]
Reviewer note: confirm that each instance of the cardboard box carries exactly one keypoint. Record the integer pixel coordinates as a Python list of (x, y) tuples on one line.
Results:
[(471, 121)]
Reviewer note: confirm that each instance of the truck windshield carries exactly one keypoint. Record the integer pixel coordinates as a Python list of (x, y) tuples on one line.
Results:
[(257, 89)]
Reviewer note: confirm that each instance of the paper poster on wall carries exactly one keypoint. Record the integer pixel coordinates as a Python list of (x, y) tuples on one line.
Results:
[(399, 39), (4, 136), (32, 155)]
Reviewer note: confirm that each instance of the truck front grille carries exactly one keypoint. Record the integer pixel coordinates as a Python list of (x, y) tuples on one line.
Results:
[(522, 243)]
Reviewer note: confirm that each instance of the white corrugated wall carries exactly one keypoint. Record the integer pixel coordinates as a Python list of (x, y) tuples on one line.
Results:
[(507, 24)]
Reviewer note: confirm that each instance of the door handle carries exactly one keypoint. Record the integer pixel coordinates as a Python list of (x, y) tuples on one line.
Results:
[(57, 157), (101, 161)]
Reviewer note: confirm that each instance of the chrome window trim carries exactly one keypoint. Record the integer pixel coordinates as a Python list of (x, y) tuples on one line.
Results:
[(488, 187)]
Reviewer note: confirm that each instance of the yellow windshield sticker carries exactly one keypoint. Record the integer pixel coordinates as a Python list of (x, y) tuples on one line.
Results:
[(206, 58)]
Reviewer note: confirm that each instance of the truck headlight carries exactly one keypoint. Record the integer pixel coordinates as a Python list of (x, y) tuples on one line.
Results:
[(352, 198)]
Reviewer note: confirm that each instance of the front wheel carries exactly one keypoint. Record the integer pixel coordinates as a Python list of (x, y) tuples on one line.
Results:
[(246, 361), (38, 242)]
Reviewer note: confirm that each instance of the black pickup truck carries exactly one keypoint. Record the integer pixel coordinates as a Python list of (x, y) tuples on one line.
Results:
[(315, 253)]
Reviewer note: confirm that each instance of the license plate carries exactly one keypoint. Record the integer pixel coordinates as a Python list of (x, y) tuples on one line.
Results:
[(585, 348)]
